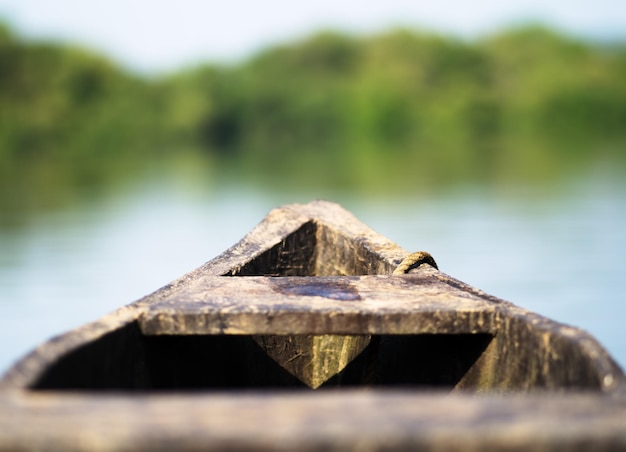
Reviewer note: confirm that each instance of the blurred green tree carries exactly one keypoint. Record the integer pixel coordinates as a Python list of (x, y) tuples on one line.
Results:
[(332, 109)]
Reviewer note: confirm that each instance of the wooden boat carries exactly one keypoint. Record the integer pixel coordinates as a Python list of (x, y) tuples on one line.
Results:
[(308, 300)]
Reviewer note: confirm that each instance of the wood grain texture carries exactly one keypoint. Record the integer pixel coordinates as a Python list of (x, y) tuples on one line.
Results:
[(412, 304)]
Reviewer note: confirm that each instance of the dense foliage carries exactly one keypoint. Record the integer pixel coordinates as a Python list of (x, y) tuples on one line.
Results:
[(393, 111)]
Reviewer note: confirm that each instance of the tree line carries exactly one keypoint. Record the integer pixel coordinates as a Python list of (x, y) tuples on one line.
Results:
[(334, 109)]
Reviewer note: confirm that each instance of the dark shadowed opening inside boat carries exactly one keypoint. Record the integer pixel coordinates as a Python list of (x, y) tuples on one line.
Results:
[(315, 249), (128, 360)]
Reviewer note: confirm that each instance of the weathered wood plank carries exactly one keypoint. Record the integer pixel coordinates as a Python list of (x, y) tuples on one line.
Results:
[(327, 420), (411, 304)]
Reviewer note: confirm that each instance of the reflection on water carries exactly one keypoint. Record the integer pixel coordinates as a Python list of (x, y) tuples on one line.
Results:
[(559, 254)]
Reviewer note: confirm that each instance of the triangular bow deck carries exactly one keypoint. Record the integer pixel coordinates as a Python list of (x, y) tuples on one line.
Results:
[(307, 299)]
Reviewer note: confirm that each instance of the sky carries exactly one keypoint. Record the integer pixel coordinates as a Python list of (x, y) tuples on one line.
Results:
[(153, 36)]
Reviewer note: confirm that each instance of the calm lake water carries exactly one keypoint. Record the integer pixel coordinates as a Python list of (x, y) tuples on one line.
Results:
[(558, 252)]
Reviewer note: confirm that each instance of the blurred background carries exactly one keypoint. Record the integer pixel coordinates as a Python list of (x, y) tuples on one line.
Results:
[(139, 140)]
